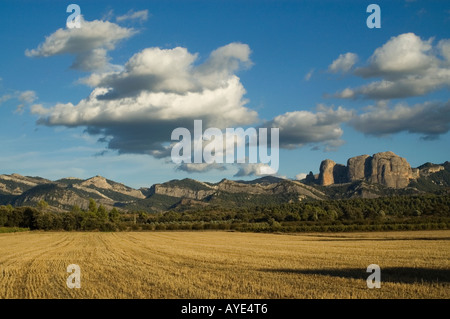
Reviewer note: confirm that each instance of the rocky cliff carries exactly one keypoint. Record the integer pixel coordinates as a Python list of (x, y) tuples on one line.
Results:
[(326, 175), (181, 192), (384, 168), (195, 190), (390, 170)]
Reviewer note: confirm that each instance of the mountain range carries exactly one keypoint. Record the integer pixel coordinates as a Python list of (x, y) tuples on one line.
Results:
[(364, 176)]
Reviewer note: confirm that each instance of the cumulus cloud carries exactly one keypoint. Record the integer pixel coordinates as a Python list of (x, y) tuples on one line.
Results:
[(299, 128), (408, 66), (406, 87), (27, 96), (403, 54), (89, 44), (256, 169), (343, 63), (141, 16), (200, 167), (158, 90), (444, 49), (24, 97), (300, 176), (152, 69), (430, 119), (173, 71)]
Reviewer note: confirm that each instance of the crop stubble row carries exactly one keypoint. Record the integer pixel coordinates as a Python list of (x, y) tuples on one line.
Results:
[(224, 265)]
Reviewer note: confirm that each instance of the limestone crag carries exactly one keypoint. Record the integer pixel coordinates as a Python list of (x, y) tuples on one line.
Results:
[(358, 167), (102, 183), (326, 176), (427, 171), (180, 192), (384, 168), (390, 170), (340, 173)]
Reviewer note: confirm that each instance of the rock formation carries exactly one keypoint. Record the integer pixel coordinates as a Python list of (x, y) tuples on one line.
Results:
[(384, 168), (182, 192), (326, 176), (340, 173), (390, 170), (358, 167)]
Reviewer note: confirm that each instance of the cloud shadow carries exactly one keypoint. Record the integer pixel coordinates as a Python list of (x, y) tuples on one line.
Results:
[(408, 275)]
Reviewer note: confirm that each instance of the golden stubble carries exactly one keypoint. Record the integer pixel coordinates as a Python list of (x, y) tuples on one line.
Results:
[(161, 265)]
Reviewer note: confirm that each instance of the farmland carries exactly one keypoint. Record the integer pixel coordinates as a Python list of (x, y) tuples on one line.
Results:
[(218, 264)]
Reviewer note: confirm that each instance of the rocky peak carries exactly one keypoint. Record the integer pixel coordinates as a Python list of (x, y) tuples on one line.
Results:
[(384, 168), (97, 181), (326, 176), (358, 167), (100, 182), (390, 170), (429, 168)]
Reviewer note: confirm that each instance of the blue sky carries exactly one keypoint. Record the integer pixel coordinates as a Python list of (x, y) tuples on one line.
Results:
[(103, 99)]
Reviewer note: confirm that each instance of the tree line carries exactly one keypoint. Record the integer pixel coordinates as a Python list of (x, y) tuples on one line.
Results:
[(384, 213), (96, 217)]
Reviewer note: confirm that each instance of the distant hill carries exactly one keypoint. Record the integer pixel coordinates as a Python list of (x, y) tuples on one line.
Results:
[(359, 179), (63, 194)]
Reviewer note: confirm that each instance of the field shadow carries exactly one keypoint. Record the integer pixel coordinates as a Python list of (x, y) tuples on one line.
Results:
[(389, 274), (382, 239)]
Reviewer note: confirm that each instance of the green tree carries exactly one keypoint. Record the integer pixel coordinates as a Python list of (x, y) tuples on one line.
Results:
[(142, 218), (92, 206), (42, 205), (89, 221), (102, 214), (76, 209), (15, 217), (3, 215), (44, 221), (114, 215), (69, 221)]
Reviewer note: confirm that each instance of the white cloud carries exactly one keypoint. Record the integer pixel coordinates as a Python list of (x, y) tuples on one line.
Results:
[(257, 169), (300, 176), (408, 66), (136, 110), (430, 119), (303, 127), (434, 79), (345, 94), (173, 71), (343, 63), (134, 15), (200, 167), (5, 98), (24, 97), (89, 43), (444, 48), (27, 96), (403, 54), (309, 75)]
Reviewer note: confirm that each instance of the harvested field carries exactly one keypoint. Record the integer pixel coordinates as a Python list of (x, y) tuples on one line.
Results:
[(224, 265)]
